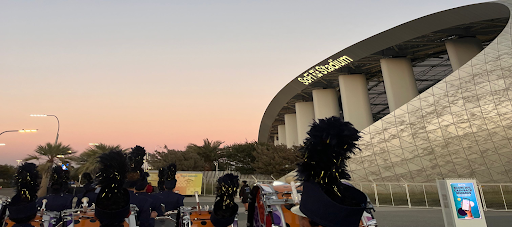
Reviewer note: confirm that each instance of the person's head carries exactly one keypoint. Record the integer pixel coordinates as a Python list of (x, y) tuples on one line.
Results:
[(59, 180), (23, 208), (244, 182), (87, 178), (113, 201), (136, 175), (170, 180)]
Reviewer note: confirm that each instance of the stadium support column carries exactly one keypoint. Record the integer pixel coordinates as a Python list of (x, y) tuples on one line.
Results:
[(462, 50), (281, 133), (305, 116), (276, 142), (355, 101), (399, 81), (290, 121), (325, 103)]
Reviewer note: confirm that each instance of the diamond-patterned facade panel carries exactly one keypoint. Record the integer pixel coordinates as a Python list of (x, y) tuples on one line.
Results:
[(460, 127)]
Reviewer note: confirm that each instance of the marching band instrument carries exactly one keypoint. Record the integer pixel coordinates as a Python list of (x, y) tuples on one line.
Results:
[(197, 217), (84, 217), (270, 206), (43, 219)]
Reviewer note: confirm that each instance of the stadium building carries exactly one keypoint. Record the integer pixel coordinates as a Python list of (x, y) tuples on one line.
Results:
[(432, 98)]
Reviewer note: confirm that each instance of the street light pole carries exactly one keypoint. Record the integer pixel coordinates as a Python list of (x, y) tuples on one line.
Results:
[(8, 131), (21, 130), (50, 115)]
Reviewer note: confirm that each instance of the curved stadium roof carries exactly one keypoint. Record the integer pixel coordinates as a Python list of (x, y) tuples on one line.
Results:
[(421, 40)]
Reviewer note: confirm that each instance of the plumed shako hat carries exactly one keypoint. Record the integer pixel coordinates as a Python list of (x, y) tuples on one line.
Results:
[(325, 199), (113, 201), (23, 205), (225, 207)]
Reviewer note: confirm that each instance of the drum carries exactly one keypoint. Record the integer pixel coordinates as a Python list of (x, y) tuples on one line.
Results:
[(86, 218), (191, 217), (168, 220), (270, 206), (48, 219)]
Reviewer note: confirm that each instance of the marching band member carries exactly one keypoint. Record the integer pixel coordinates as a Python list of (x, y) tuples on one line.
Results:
[(136, 176), (23, 208), (140, 190), (58, 200), (326, 201), (113, 201), (170, 199), (225, 208), (89, 189)]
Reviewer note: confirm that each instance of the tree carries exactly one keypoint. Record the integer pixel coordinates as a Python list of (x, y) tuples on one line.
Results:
[(50, 154), (241, 156), (185, 160), (7, 173), (210, 152), (87, 160), (276, 160)]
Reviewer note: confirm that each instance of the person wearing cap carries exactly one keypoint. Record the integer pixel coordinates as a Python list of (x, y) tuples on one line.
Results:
[(89, 189), (325, 200), (245, 190), (155, 206), (23, 208), (113, 201), (170, 199), (136, 178)]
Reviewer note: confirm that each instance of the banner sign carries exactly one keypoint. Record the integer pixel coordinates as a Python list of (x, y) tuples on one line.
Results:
[(465, 200), (188, 182)]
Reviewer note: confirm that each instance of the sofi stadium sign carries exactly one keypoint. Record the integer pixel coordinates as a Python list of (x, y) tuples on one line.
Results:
[(318, 71)]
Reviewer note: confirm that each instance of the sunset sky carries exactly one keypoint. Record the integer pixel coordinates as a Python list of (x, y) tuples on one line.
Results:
[(162, 72)]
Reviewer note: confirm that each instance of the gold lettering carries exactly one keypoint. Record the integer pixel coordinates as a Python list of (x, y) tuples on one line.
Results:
[(321, 69), (312, 74), (332, 64), (345, 60)]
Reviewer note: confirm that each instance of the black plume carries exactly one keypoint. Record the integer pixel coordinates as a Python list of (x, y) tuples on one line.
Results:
[(172, 171), (113, 201), (162, 176), (26, 182), (227, 188), (326, 151), (225, 208), (113, 169), (136, 158)]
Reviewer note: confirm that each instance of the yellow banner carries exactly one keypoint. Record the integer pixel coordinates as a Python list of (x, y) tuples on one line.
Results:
[(188, 182)]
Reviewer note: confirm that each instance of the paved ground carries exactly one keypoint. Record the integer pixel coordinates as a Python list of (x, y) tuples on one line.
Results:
[(386, 216)]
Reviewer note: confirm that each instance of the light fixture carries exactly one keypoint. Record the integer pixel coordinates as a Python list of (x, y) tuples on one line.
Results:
[(27, 130)]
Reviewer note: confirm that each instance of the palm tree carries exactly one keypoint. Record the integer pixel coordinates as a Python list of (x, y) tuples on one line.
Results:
[(50, 154), (210, 152), (87, 159)]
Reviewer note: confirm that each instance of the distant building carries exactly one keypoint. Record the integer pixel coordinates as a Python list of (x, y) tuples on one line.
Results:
[(432, 97)]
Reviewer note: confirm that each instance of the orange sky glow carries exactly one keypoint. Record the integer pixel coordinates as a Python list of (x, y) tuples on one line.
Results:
[(166, 72)]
